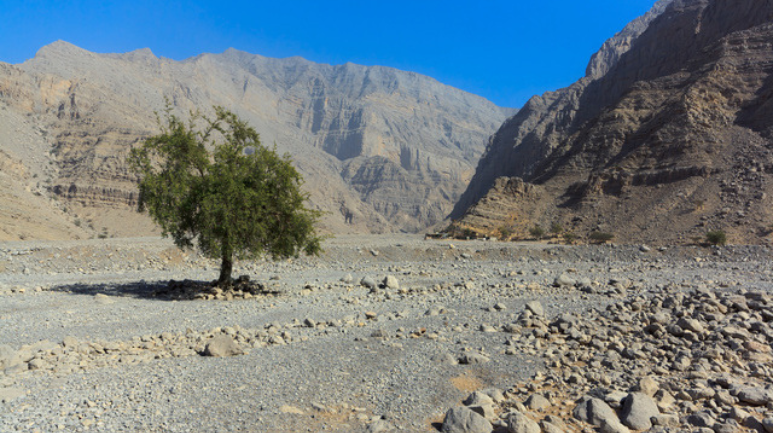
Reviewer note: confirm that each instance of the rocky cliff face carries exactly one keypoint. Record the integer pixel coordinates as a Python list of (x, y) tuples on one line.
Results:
[(603, 60), (671, 141), (381, 149)]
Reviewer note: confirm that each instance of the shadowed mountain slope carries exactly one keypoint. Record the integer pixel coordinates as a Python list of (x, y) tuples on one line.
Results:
[(669, 142)]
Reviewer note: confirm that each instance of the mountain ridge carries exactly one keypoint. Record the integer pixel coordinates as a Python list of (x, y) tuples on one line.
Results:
[(407, 141)]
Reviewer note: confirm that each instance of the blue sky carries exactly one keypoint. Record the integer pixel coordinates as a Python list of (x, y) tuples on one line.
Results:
[(506, 51)]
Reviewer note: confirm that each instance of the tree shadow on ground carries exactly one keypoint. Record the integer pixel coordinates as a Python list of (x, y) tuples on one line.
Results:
[(171, 290), (135, 289)]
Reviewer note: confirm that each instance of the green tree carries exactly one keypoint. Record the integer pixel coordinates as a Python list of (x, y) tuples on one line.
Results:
[(219, 186)]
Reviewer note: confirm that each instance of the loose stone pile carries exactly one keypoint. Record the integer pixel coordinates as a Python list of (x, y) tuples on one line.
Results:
[(72, 355), (662, 361)]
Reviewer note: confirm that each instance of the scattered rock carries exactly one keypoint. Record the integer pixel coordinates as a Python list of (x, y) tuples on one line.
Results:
[(593, 411), (391, 282), (474, 358), (756, 396), (478, 398), (536, 308), (221, 346), (520, 423), (701, 419), (665, 420), (537, 402), (613, 426), (549, 427), (647, 386), (564, 280), (767, 423), (368, 282)]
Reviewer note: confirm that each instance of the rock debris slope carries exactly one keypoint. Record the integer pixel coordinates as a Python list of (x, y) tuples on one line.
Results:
[(667, 143), (381, 149)]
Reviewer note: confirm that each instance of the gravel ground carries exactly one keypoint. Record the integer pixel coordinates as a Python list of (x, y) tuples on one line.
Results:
[(348, 355)]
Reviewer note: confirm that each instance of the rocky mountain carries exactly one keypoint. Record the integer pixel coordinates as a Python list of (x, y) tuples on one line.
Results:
[(381, 149), (606, 57), (670, 140)]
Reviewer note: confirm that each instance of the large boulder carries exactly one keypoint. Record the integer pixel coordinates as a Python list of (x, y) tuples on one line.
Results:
[(594, 411), (520, 423), (638, 409), (464, 420)]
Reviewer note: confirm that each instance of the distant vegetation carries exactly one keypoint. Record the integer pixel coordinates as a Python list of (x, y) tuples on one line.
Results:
[(716, 237), (537, 232), (505, 232), (601, 237)]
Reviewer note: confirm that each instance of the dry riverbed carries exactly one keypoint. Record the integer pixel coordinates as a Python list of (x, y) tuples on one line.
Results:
[(386, 333)]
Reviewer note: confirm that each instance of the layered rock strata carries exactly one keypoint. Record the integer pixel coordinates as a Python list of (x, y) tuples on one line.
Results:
[(672, 141), (381, 149)]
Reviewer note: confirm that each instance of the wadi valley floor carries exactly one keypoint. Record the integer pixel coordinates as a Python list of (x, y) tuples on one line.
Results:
[(386, 333)]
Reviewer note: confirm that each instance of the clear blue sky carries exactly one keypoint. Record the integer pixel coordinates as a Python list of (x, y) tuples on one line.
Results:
[(506, 50)]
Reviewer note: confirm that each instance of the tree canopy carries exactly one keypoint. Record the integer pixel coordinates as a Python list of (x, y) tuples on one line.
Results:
[(210, 182)]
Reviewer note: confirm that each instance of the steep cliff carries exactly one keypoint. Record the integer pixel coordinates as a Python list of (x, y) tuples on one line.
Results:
[(672, 141), (380, 149)]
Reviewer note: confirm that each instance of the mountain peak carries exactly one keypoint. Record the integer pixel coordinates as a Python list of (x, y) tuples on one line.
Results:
[(59, 48), (142, 52)]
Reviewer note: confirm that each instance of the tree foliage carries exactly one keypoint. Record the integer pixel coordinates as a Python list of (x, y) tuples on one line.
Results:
[(218, 186)]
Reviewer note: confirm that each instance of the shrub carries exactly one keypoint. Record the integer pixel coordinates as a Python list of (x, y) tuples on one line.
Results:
[(601, 237), (469, 234), (505, 232), (716, 237), (556, 229), (537, 232), (569, 237)]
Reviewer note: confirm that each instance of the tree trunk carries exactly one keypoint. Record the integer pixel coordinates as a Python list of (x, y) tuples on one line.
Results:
[(226, 266)]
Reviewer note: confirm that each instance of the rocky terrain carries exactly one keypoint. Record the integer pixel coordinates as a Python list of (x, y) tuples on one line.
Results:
[(387, 334), (666, 138), (381, 150)]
